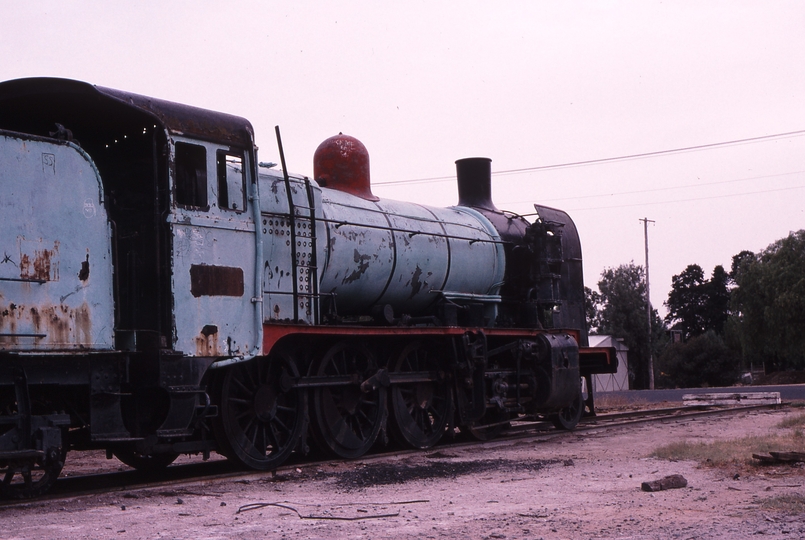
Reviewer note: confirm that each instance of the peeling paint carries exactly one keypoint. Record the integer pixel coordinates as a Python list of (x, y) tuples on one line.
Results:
[(363, 264), (83, 274), (415, 284)]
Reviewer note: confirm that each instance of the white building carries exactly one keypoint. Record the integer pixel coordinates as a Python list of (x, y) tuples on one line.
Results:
[(616, 381)]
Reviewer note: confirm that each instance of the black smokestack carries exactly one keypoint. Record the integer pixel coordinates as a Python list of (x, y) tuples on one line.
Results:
[(474, 177)]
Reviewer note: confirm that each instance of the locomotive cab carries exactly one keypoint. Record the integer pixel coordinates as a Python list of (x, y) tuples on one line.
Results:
[(178, 187)]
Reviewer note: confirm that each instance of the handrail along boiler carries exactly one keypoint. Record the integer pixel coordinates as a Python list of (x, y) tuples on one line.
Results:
[(162, 292)]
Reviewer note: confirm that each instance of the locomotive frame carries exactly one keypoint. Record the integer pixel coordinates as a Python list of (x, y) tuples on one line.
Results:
[(162, 292)]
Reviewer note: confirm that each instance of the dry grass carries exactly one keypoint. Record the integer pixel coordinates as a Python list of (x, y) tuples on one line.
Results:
[(792, 504), (792, 422), (730, 451), (605, 402), (738, 451)]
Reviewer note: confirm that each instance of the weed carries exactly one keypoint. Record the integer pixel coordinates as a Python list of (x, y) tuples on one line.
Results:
[(792, 422), (608, 402), (794, 504), (731, 451)]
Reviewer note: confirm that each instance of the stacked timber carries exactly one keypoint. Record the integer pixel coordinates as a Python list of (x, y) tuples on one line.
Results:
[(732, 398), (781, 457)]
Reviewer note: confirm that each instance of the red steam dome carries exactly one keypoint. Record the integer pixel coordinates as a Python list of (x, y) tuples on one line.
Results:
[(342, 162)]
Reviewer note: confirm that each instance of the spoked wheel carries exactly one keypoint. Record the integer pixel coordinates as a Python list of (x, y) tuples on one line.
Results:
[(29, 477), (491, 424), (263, 417), (419, 411), (346, 419), (568, 418), (144, 462)]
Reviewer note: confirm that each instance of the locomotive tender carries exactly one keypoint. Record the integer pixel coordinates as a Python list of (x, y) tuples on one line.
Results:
[(162, 292)]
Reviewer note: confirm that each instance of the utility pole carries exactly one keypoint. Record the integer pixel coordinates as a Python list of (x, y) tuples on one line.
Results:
[(646, 221)]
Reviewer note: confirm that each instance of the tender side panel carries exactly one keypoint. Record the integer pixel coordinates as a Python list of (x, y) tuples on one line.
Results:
[(55, 249)]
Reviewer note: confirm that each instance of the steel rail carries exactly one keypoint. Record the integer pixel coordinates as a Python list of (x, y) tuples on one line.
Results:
[(176, 476)]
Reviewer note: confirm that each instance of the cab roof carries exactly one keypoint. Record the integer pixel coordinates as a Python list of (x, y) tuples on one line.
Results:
[(39, 102)]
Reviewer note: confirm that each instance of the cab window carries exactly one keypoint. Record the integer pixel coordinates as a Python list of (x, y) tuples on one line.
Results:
[(191, 175), (231, 180)]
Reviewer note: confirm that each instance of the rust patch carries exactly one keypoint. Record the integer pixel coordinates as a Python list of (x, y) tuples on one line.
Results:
[(207, 341), (83, 325), (50, 327), (36, 319), (8, 321), (209, 280), (57, 324), (41, 265)]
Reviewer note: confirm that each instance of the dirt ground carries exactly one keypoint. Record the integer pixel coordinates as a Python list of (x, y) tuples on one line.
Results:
[(581, 485)]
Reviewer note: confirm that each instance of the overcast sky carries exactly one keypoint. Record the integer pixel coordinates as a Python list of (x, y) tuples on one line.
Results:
[(527, 84)]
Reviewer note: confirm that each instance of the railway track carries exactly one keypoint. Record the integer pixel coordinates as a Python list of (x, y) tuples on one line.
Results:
[(178, 475)]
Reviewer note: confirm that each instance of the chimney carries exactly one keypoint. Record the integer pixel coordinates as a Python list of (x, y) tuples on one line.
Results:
[(474, 177)]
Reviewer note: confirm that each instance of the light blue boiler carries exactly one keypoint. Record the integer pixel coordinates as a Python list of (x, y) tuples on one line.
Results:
[(395, 255)]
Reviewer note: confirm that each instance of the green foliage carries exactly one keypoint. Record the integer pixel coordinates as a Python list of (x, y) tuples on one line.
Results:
[(696, 304), (762, 316), (619, 309), (717, 307), (592, 310), (686, 301), (703, 360), (769, 303), (739, 261)]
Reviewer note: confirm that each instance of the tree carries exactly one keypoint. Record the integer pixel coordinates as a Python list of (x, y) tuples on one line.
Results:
[(704, 360), (700, 309), (769, 303), (740, 261), (622, 301), (592, 310), (686, 301), (717, 301), (698, 305)]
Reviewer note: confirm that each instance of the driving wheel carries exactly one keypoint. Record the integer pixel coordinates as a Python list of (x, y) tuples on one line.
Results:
[(419, 411), (263, 416), (346, 418)]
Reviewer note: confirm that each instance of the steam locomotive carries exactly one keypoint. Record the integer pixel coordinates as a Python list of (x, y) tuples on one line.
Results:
[(162, 292)]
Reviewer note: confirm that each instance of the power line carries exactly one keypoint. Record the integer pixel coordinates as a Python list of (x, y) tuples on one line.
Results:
[(606, 160), (687, 200), (670, 188)]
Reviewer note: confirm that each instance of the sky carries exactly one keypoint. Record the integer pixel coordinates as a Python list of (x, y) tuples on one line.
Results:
[(532, 85)]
